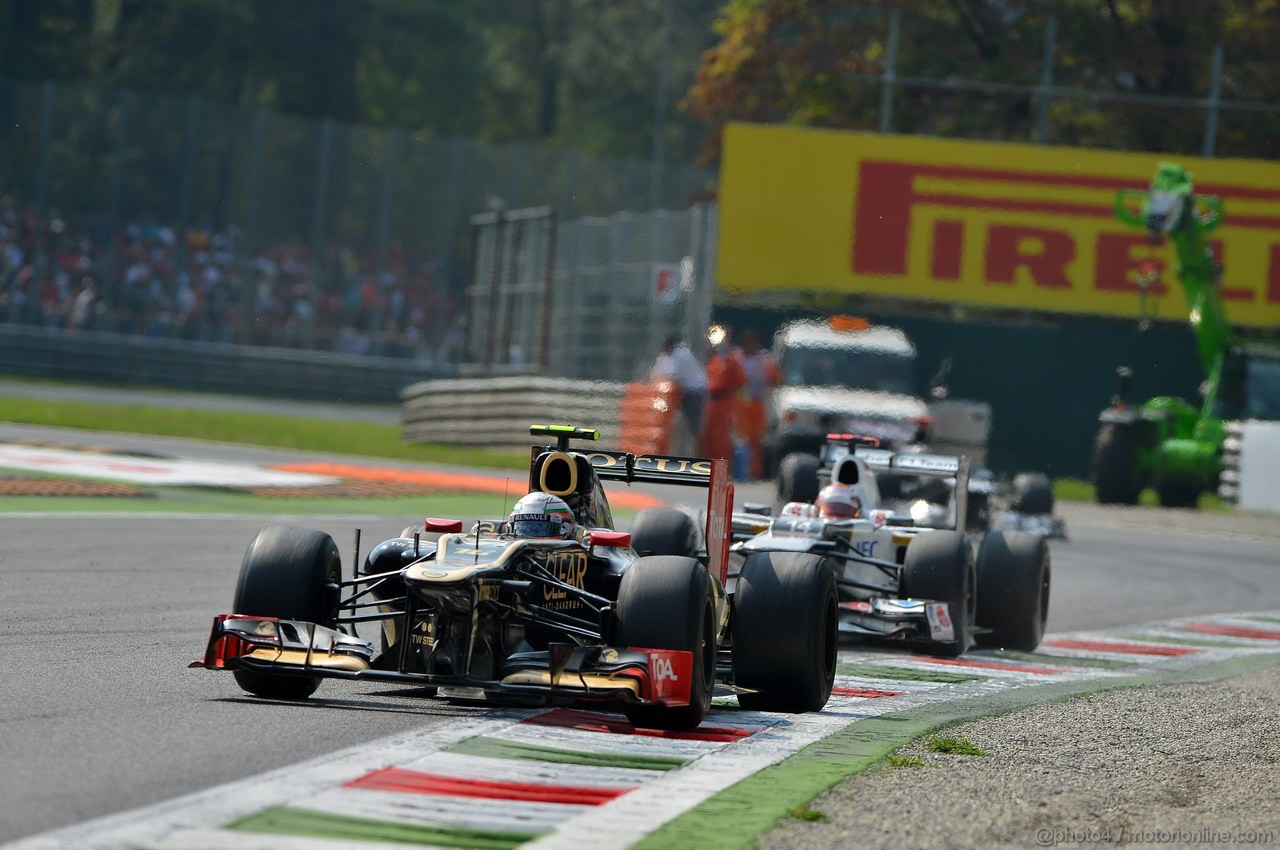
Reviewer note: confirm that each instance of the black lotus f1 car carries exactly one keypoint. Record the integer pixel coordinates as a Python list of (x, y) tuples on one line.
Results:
[(641, 619)]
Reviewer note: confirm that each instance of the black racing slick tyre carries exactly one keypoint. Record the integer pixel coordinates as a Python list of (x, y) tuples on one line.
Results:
[(1177, 494), (1013, 590), (291, 573), (1114, 471), (1032, 493), (977, 514), (665, 602), (665, 531), (939, 568), (797, 478), (784, 632)]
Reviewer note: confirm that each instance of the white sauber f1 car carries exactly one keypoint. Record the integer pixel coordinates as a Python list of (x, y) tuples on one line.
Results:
[(905, 569)]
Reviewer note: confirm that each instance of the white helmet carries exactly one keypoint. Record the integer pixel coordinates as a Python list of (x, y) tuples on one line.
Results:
[(541, 515), (838, 502)]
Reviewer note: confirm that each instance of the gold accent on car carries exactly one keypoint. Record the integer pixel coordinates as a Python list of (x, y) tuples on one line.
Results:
[(299, 658), (593, 681)]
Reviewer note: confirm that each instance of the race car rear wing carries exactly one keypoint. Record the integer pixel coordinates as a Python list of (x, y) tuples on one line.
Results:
[(881, 460), (657, 469), (626, 466), (911, 464)]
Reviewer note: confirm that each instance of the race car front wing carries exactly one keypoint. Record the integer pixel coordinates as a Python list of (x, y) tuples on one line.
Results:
[(898, 618), (564, 671)]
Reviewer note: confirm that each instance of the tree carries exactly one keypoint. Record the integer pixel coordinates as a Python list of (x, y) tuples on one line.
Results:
[(818, 63), (584, 73)]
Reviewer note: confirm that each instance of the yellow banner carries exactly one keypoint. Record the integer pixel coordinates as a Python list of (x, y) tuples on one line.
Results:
[(979, 223)]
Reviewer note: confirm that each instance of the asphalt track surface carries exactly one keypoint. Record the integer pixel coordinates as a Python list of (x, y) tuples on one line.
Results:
[(98, 713)]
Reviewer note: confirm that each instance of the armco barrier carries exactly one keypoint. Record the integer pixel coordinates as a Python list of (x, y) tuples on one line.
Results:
[(207, 367), (498, 411)]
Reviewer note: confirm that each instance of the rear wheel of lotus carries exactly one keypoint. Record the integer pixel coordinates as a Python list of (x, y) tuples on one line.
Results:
[(665, 531)]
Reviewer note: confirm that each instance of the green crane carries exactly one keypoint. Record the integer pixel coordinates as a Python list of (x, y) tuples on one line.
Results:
[(1166, 443)]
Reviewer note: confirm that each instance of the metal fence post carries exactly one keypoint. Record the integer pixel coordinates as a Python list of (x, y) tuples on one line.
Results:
[(516, 151), (117, 189), (383, 236), (660, 107), (1046, 79), (190, 143), (388, 195), (888, 79), (453, 200), (322, 191), (629, 182), (250, 239), (568, 209), (1215, 100), (46, 156), (548, 293)]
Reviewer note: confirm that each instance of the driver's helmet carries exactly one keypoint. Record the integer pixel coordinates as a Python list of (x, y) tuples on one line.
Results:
[(800, 509), (541, 515), (838, 502)]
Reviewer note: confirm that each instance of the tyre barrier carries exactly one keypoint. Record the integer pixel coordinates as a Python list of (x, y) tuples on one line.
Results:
[(498, 411), (646, 415)]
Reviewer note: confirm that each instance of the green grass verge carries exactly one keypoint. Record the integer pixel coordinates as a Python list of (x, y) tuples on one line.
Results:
[(286, 432), (1075, 490), (903, 674), (199, 501), (464, 506), (334, 437), (803, 812), (954, 746)]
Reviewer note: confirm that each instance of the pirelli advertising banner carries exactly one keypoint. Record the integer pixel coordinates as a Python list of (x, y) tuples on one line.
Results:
[(978, 223)]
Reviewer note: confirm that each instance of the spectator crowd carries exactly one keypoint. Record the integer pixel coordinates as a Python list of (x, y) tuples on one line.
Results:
[(147, 278)]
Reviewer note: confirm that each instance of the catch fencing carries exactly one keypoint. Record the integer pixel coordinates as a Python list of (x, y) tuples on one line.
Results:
[(590, 299), (116, 157)]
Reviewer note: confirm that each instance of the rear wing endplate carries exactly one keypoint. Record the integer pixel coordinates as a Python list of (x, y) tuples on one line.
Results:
[(659, 469)]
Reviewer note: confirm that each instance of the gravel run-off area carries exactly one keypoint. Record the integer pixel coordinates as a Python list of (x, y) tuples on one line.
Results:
[(1180, 765), (1187, 765)]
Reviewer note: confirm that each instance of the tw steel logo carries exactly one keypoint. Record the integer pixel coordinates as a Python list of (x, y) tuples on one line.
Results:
[(889, 193)]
